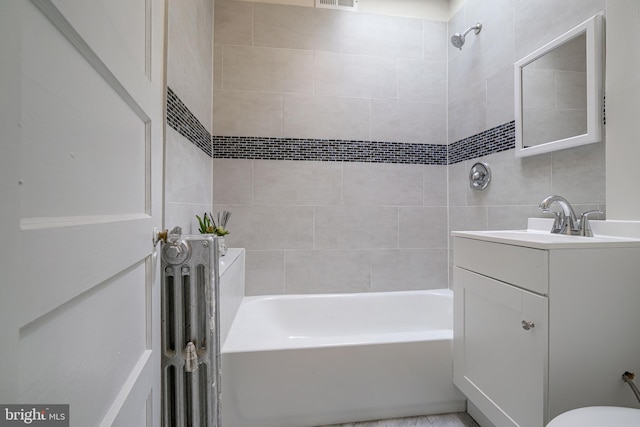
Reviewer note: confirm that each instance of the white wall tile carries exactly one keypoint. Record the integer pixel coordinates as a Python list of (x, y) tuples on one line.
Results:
[(326, 117), (409, 269), (327, 272), (381, 35), (204, 23), (458, 181), (189, 169), (217, 66), (267, 69), (500, 98), (412, 122), (176, 62), (435, 40), (423, 227), (424, 81), (512, 217), (579, 174), (189, 56), (435, 185), (359, 76), (467, 114), (378, 184), (233, 22), (270, 228), (468, 218), (457, 78), (338, 227), (279, 182), (198, 96), (296, 27), (238, 113), (264, 273), (232, 181)]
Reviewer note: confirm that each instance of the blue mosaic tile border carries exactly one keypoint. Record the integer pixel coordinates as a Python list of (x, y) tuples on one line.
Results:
[(494, 140), (180, 118), (233, 147)]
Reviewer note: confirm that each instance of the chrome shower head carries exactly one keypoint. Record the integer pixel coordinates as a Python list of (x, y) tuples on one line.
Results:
[(457, 40)]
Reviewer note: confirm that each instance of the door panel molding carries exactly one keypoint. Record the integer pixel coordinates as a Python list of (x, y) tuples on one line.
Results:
[(96, 247), (58, 20)]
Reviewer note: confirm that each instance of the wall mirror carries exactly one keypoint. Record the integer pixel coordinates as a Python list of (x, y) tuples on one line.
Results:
[(558, 92)]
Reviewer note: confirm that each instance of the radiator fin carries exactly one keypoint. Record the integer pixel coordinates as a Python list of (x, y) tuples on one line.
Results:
[(189, 298)]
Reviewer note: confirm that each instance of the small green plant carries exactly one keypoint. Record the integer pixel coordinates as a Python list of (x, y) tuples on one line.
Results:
[(205, 224), (208, 224)]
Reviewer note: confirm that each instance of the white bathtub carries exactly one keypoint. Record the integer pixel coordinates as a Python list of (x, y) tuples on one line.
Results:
[(309, 360)]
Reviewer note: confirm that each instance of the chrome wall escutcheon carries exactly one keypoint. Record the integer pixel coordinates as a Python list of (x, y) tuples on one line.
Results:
[(527, 325), (479, 176)]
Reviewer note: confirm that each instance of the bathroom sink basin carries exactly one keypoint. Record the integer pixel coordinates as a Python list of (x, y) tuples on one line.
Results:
[(545, 240)]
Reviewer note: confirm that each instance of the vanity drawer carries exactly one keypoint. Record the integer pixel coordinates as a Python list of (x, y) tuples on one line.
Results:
[(526, 268)]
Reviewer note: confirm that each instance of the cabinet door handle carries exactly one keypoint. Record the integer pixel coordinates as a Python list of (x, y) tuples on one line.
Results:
[(527, 325)]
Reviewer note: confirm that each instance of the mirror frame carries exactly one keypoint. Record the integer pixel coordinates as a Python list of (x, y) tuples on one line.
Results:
[(595, 101)]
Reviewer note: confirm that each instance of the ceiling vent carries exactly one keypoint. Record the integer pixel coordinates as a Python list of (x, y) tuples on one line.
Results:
[(338, 4)]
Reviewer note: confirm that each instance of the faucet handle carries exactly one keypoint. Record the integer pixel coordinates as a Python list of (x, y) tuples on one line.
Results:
[(585, 226), (558, 221)]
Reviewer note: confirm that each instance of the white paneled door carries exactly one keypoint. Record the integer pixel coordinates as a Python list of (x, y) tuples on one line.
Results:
[(81, 106)]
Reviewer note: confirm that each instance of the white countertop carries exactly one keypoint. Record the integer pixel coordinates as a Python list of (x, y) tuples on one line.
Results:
[(538, 236)]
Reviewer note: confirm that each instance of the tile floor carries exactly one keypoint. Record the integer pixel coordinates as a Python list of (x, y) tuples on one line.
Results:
[(459, 419)]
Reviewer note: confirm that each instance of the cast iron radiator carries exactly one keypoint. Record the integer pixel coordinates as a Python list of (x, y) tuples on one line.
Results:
[(190, 331)]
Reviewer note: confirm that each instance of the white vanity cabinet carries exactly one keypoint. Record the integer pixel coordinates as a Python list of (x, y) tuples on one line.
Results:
[(544, 326)]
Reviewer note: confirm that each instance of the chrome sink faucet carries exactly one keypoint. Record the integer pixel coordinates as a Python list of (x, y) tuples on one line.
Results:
[(565, 221)]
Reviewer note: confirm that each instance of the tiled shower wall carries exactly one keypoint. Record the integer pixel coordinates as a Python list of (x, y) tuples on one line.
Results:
[(319, 80), (188, 174), (301, 81), (480, 96)]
